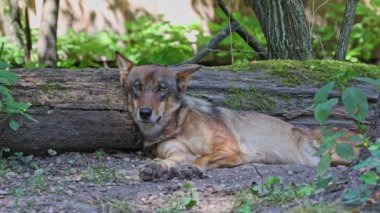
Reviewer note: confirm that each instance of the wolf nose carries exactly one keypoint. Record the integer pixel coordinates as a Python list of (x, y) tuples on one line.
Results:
[(145, 113)]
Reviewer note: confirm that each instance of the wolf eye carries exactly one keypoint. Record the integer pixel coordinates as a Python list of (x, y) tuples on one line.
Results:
[(162, 87), (137, 86)]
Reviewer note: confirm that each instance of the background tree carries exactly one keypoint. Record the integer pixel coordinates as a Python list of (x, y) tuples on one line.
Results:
[(47, 40), (345, 31), (10, 17), (285, 28)]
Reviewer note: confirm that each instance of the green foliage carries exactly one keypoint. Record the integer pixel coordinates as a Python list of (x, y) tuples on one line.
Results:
[(8, 105), (146, 41), (241, 52), (356, 105), (150, 42), (364, 37), (370, 176), (270, 192), (182, 201)]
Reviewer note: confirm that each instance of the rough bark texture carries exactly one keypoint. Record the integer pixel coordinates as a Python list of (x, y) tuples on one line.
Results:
[(47, 40), (84, 109), (297, 30), (285, 28), (10, 17), (345, 31)]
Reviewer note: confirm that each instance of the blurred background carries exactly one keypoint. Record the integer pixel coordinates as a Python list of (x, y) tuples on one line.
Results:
[(168, 32)]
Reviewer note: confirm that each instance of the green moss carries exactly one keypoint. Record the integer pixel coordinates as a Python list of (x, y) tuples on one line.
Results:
[(51, 87), (315, 71), (251, 99)]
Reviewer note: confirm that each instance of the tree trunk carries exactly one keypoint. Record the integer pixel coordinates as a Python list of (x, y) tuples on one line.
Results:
[(28, 36), (285, 28), (10, 16), (82, 110), (47, 41), (345, 31)]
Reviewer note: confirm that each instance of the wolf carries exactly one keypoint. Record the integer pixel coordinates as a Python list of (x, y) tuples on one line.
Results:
[(179, 128)]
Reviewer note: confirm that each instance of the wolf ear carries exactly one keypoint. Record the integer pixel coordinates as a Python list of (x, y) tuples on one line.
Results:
[(183, 75), (125, 66)]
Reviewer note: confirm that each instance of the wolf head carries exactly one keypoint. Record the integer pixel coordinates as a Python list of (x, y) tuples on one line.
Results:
[(153, 93)]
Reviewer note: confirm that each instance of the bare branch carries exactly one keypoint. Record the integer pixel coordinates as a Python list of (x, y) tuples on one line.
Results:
[(250, 40)]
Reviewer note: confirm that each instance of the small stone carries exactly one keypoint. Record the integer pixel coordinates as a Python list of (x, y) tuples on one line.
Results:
[(72, 187), (4, 192), (103, 190), (11, 175), (38, 172), (73, 171), (26, 175), (69, 192), (290, 172)]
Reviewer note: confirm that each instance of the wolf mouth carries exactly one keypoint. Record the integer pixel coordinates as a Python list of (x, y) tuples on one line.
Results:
[(150, 122)]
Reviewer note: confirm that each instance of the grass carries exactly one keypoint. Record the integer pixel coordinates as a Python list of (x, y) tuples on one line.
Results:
[(115, 205), (99, 173), (181, 201), (270, 193)]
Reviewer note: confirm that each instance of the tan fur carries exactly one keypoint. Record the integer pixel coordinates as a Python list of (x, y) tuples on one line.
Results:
[(213, 136)]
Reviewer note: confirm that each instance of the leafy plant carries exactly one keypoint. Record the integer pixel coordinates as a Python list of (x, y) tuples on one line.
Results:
[(356, 105), (186, 200), (364, 35), (270, 192), (8, 106)]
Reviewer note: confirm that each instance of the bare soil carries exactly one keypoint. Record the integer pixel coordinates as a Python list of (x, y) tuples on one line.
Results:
[(110, 182)]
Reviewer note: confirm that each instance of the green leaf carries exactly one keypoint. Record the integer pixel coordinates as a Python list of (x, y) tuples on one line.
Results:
[(351, 195), (323, 93), (369, 177), (10, 76), (323, 110), (355, 102), (190, 203), (324, 164), (356, 138), (323, 181), (5, 81), (187, 186), (272, 180), (345, 151), (375, 82), (3, 66), (14, 125)]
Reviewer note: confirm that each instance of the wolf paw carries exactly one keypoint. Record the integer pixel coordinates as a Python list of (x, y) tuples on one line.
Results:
[(151, 171), (184, 173)]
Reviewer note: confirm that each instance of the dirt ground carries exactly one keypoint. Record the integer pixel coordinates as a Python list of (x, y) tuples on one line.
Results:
[(109, 182)]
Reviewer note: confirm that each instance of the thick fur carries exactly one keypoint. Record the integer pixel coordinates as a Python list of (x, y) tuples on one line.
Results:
[(183, 128)]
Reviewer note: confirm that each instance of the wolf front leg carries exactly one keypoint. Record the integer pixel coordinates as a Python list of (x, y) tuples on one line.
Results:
[(170, 154), (220, 158)]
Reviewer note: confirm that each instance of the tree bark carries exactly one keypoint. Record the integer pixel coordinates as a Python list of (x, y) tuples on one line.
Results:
[(47, 41), (10, 16), (285, 28), (83, 110), (28, 36), (345, 31)]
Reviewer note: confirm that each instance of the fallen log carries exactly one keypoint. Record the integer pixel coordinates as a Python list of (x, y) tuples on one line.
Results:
[(83, 110)]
